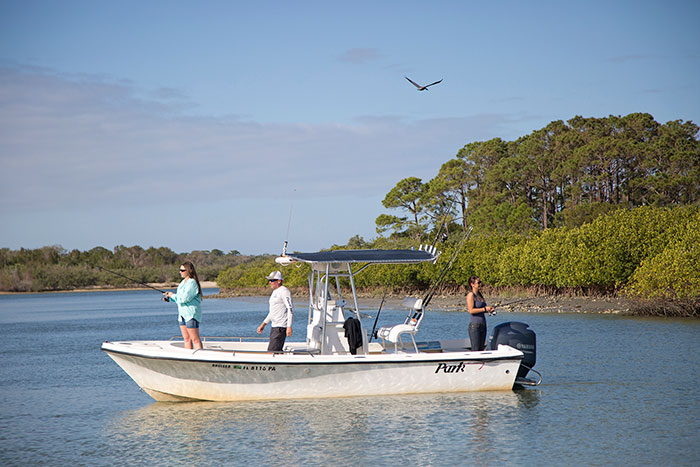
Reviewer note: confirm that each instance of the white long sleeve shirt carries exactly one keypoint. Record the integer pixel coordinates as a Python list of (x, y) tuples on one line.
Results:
[(281, 308)]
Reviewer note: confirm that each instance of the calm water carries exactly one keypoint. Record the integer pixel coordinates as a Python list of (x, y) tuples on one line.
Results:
[(616, 391)]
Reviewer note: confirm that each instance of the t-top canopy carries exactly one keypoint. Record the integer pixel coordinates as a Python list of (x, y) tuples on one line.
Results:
[(365, 256)]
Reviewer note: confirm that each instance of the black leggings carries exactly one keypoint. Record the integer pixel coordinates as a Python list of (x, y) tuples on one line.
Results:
[(477, 335)]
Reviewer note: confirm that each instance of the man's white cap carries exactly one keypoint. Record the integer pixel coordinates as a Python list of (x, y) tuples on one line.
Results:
[(274, 276)]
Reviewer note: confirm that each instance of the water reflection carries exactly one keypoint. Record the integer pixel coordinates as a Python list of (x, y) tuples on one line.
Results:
[(528, 398), (415, 428)]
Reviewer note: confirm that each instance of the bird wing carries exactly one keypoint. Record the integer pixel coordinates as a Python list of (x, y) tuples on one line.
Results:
[(436, 82), (413, 82)]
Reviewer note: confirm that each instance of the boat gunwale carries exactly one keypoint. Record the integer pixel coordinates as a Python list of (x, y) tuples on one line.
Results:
[(316, 361)]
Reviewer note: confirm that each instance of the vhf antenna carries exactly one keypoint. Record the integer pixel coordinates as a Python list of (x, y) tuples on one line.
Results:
[(289, 224)]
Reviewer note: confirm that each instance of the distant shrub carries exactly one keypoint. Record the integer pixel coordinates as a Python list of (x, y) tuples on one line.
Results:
[(674, 273), (651, 252), (644, 252)]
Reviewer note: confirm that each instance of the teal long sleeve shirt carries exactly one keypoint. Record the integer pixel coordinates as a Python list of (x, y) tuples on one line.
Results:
[(189, 302)]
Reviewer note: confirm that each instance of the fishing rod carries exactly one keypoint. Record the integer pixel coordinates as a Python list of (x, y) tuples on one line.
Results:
[(380, 306), (492, 313), (448, 266), (462, 307), (516, 301), (133, 280), (444, 218)]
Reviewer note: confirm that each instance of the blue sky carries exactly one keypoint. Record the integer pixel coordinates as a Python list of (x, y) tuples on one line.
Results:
[(201, 125)]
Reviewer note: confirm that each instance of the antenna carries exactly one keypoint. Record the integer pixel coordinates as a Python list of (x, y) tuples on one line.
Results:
[(289, 224)]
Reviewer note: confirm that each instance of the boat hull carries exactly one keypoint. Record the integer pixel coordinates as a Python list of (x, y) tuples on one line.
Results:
[(169, 373)]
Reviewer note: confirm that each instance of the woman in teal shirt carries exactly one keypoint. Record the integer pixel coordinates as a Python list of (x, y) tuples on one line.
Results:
[(189, 305)]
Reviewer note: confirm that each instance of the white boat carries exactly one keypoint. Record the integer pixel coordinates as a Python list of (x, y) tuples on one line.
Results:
[(235, 369)]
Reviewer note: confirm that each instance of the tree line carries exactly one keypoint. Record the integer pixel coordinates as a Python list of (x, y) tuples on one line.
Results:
[(54, 268), (647, 253), (592, 205), (564, 174)]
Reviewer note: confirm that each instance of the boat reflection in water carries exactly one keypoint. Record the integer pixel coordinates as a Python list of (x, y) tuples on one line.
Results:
[(425, 428)]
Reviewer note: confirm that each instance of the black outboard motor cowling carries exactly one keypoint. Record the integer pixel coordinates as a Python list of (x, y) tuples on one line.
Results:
[(519, 336)]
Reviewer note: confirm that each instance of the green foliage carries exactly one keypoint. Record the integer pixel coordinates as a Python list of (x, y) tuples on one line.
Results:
[(565, 174), (448, 190), (646, 251), (385, 222), (480, 257), (673, 273), (53, 268), (589, 203), (531, 261), (603, 254), (407, 195), (577, 215), (502, 216)]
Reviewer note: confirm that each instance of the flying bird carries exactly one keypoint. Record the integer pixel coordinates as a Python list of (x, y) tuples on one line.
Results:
[(421, 88)]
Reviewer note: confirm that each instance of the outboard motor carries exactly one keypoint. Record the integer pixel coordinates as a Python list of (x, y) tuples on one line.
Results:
[(519, 336)]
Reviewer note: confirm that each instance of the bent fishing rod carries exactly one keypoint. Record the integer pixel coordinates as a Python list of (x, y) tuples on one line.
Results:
[(134, 281), (443, 222), (448, 266)]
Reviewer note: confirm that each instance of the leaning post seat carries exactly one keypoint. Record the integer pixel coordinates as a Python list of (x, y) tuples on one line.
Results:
[(409, 326)]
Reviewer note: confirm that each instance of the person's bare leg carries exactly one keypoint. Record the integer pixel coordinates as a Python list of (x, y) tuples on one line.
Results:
[(194, 338), (186, 337)]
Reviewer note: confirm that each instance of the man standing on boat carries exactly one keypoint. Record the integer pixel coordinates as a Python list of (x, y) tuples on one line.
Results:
[(280, 315)]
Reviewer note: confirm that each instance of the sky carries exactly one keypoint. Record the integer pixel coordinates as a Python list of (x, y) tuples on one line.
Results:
[(239, 125)]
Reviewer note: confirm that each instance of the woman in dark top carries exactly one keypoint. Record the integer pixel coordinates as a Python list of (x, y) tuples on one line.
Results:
[(476, 305)]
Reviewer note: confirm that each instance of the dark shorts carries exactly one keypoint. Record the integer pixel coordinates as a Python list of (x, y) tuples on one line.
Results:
[(277, 337), (191, 324)]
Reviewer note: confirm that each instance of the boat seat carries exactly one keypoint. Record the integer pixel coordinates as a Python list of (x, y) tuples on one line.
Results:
[(409, 326), (393, 334)]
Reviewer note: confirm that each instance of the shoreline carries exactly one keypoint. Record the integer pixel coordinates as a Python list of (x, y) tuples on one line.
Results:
[(456, 301), (540, 304), (101, 288)]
